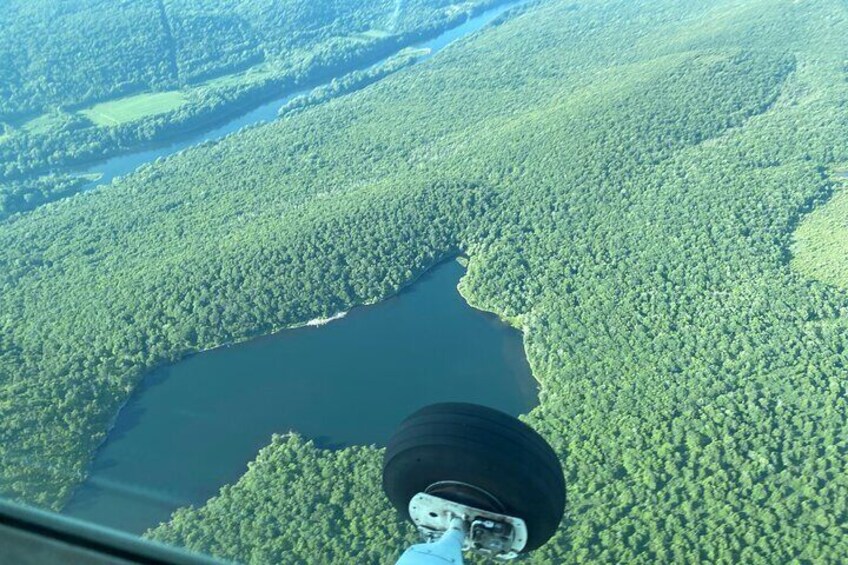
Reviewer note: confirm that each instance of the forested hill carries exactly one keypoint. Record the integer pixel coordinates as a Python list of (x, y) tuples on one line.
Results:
[(625, 178), (83, 80), (73, 52)]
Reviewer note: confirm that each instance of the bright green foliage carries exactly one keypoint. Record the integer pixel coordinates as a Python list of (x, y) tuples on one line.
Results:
[(354, 81), (820, 249), (79, 51), (61, 401), (59, 52), (625, 178), (288, 476), (133, 108), (32, 193)]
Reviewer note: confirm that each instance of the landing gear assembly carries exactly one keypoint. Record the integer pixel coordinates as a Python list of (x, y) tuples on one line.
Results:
[(472, 479)]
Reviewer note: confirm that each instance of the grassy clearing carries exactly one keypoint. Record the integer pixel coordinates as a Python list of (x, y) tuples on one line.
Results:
[(373, 34), (133, 108), (43, 123), (820, 249), (253, 74)]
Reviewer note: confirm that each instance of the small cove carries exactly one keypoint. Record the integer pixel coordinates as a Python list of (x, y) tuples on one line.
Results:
[(193, 426)]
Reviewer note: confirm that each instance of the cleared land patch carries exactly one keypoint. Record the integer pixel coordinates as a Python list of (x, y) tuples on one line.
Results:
[(132, 108), (374, 34), (43, 123), (820, 249), (254, 74)]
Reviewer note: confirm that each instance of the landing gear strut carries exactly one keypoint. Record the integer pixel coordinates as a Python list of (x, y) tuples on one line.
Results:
[(472, 479)]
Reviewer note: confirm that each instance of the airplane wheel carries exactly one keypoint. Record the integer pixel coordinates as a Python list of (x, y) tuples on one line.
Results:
[(480, 457)]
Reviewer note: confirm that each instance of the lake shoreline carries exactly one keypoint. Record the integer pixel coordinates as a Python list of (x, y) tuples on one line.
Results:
[(138, 385), (317, 384), (497, 10), (513, 323), (318, 322)]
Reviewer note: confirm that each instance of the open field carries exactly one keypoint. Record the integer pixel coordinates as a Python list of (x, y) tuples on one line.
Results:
[(253, 74), (133, 108), (373, 34)]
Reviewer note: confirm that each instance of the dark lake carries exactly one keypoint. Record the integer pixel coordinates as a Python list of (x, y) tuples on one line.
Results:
[(192, 427)]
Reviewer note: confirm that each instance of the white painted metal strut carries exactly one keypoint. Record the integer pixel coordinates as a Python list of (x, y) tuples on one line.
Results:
[(448, 550), (449, 528)]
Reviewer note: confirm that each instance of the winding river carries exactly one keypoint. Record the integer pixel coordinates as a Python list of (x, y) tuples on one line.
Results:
[(122, 165)]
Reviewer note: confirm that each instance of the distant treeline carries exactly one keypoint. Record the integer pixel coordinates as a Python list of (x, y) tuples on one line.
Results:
[(352, 81), (299, 43), (625, 178)]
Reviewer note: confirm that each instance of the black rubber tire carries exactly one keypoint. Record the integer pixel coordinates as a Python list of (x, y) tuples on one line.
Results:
[(481, 447)]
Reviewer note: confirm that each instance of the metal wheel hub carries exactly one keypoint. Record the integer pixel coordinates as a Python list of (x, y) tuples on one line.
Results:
[(488, 531)]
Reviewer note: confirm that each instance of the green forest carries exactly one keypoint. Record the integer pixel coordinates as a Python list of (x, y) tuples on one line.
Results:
[(818, 247), (217, 57), (633, 184)]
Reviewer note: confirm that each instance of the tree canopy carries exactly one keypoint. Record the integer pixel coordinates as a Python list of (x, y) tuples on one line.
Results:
[(625, 178)]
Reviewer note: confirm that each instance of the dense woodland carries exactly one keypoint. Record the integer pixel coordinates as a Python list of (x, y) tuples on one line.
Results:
[(354, 81), (625, 178), (223, 55), (818, 247), (70, 53)]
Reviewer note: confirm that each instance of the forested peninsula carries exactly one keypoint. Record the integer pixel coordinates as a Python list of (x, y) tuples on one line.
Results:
[(625, 178)]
